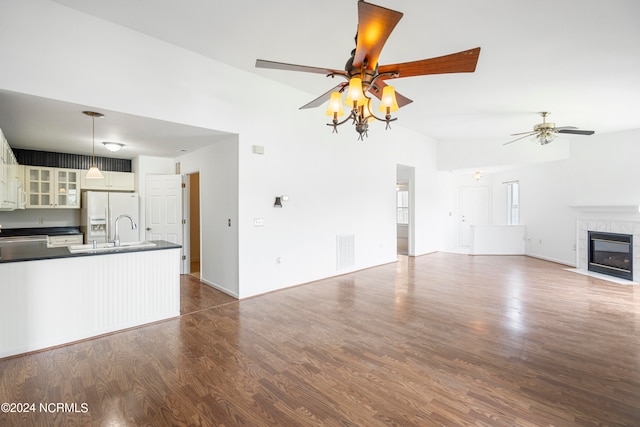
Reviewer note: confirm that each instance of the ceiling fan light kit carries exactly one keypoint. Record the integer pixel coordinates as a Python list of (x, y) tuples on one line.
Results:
[(364, 75)]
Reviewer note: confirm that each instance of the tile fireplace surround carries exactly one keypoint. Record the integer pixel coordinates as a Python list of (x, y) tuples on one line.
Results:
[(609, 219)]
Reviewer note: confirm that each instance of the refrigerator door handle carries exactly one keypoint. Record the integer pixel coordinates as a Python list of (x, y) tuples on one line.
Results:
[(107, 214)]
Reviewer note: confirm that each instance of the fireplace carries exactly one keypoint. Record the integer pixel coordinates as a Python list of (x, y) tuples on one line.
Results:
[(611, 253)]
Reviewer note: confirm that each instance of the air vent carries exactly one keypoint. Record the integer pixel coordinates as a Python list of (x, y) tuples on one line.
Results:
[(345, 252)]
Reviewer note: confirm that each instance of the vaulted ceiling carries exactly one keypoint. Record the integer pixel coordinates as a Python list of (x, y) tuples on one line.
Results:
[(579, 59)]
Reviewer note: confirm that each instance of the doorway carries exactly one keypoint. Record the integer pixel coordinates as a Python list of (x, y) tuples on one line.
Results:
[(405, 210), (194, 223), (474, 210), (402, 218)]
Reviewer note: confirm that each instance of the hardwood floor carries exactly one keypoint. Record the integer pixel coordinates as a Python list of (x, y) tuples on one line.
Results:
[(196, 296), (439, 340)]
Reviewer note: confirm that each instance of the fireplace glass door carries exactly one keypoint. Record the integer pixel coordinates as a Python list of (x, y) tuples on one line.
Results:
[(611, 253)]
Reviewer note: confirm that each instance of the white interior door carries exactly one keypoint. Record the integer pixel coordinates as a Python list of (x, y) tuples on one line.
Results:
[(163, 203), (474, 210)]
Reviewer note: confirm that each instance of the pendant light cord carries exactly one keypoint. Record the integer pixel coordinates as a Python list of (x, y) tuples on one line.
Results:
[(93, 141)]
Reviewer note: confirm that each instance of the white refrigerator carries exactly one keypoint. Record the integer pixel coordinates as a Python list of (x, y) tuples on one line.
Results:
[(99, 210)]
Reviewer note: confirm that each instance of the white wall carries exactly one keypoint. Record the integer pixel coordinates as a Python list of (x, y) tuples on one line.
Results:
[(218, 167), (545, 196), (336, 185), (604, 169), (601, 170)]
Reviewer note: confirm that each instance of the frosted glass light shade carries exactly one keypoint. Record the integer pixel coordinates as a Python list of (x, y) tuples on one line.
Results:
[(354, 93), (113, 146), (94, 173), (545, 137), (388, 99), (335, 105)]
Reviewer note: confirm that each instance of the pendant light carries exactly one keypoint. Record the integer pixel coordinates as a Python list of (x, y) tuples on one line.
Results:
[(93, 172)]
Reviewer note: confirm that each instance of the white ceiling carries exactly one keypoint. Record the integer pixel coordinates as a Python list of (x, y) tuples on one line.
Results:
[(36, 123), (579, 59)]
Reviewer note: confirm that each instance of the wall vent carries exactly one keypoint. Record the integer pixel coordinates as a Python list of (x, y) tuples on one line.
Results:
[(345, 252)]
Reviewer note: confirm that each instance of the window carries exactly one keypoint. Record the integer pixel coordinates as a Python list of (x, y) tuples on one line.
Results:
[(513, 203), (402, 207)]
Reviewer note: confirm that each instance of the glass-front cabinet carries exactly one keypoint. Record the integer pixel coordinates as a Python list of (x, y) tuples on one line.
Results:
[(52, 187), (38, 187), (67, 188)]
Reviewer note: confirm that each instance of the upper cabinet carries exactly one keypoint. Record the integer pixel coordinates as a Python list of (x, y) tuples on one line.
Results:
[(112, 181), (52, 187), (60, 188), (9, 182), (39, 187)]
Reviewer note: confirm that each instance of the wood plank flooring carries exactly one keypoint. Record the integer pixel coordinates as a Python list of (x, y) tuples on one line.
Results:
[(196, 296), (438, 340)]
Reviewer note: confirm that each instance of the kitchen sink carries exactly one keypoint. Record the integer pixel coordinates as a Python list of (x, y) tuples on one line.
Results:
[(107, 247)]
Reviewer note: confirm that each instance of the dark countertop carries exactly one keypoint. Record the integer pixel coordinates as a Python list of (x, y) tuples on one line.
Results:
[(33, 251)]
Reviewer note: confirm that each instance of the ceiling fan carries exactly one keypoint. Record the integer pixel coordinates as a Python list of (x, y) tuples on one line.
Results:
[(364, 75), (545, 132)]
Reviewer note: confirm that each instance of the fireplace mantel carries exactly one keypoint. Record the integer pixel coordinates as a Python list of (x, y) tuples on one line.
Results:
[(623, 209)]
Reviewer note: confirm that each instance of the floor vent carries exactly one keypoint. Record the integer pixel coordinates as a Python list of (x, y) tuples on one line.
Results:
[(345, 252)]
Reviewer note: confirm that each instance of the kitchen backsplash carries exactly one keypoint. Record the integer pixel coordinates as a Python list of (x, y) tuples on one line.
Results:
[(29, 218)]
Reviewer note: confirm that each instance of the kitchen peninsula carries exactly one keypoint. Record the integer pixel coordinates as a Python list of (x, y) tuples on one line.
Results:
[(51, 296)]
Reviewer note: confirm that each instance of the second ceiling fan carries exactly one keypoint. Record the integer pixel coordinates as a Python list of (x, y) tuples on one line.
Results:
[(364, 75), (545, 132)]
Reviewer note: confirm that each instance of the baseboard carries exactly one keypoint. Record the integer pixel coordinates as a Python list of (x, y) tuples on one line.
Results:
[(220, 288), (557, 261), (602, 276)]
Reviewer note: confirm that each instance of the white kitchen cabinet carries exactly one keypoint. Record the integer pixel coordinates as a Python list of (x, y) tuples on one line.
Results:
[(8, 176), (22, 195), (52, 187), (112, 181), (3, 168)]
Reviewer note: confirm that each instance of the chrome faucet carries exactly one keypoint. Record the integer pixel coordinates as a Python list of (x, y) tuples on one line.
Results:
[(116, 234)]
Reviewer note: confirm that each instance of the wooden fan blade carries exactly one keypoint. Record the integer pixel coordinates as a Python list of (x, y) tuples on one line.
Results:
[(518, 139), (376, 90), (461, 62), (576, 131), (323, 98), (261, 63), (375, 24)]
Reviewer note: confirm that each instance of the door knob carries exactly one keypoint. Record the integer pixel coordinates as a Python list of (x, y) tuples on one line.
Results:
[(148, 228)]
